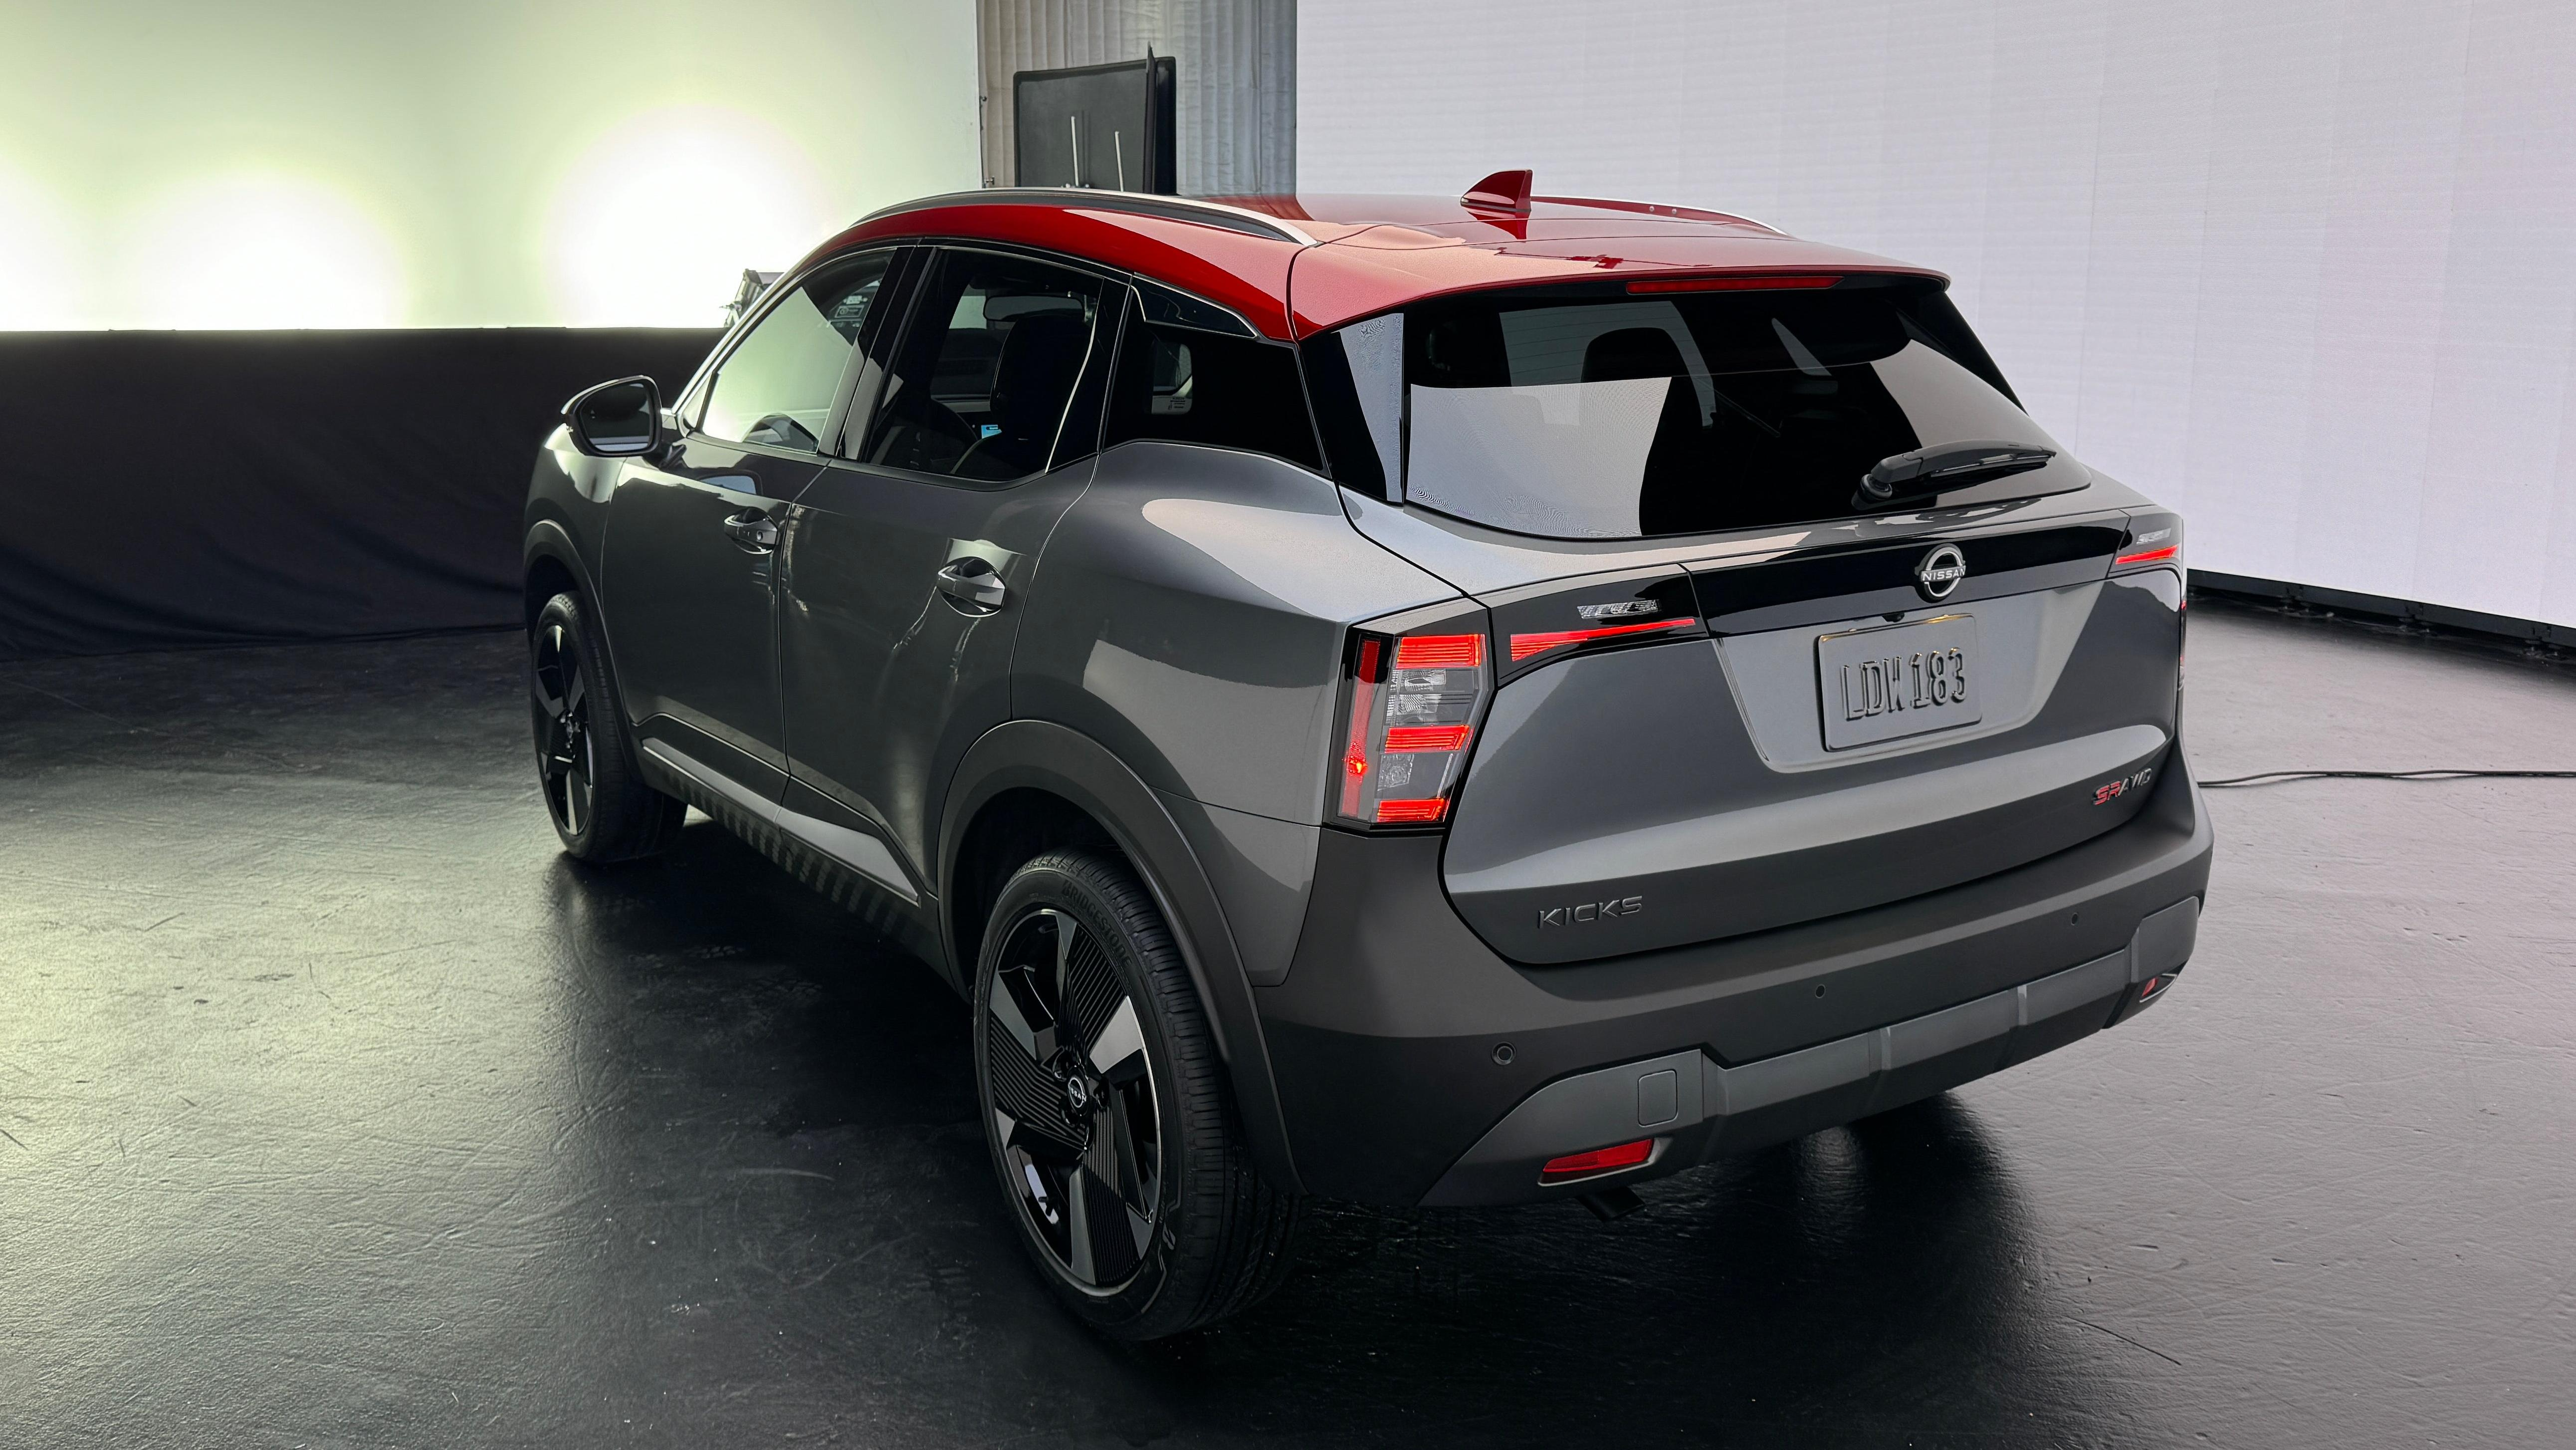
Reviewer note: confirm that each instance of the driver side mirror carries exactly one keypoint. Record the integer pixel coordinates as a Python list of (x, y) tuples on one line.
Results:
[(622, 419)]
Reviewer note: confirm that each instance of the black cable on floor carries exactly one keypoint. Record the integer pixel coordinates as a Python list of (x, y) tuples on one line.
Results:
[(2282, 777)]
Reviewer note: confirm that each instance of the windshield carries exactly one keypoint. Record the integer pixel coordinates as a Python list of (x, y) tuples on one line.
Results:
[(1596, 414)]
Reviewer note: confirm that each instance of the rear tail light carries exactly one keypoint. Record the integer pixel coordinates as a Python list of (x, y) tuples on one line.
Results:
[(2154, 542), (1525, 645), (1414, 700), (1599, 1160)]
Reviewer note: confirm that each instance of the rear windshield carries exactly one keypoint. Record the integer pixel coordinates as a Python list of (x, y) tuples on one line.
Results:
[(1593, 413)]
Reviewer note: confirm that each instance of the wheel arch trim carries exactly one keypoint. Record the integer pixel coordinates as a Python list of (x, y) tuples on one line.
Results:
[(1044, 756)]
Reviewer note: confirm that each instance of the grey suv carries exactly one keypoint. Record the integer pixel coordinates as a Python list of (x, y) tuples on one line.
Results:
[(1424, 702)]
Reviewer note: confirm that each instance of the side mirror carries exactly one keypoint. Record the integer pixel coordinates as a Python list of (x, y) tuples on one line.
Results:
[(622, 419)]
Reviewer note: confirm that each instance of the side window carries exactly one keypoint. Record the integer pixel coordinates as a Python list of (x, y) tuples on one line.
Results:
[(777, 386), (1224, 391), (981, 381)]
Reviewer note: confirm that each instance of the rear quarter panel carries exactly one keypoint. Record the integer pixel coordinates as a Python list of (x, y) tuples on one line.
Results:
[(1189, 613)]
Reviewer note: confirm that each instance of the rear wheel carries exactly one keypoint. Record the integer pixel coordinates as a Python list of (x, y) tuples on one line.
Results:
[(1107, 1111), (586, 769)]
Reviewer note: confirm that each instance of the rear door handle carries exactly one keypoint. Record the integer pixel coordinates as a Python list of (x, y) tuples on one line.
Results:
[(973, 585), (752, 531)]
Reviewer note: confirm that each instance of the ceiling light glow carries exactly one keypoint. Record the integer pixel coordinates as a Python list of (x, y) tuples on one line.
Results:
[(654, 224), (254, 250)]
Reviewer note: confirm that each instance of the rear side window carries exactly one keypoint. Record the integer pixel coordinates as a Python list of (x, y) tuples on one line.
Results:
[(1186, 384), (1592, 412), (987, 369)]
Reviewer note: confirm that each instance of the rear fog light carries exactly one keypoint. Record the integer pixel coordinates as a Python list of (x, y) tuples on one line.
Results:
[(1599, 1160)]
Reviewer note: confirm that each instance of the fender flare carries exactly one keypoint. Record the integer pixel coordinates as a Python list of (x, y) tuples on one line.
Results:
[(549, 539), (1042, 755)]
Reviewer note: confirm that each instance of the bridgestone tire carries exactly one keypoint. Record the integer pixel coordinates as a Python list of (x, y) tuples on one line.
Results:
[(1131, 1189)]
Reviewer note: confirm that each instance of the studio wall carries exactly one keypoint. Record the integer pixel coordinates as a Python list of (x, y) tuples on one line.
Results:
[(290, 290), (473, 163), (2305, 269)]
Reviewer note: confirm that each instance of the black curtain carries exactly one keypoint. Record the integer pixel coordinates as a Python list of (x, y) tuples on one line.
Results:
[(173, 489)]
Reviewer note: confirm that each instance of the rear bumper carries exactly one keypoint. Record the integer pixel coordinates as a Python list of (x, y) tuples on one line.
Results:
[(1387, 1038)]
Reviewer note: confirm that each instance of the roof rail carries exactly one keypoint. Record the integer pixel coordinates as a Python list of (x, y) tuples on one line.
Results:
[(1134, 203), (1656, 208)]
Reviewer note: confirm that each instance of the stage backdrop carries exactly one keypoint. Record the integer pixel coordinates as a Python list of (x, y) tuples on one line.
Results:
[(355, 255), (174, 489), (2305, 269)]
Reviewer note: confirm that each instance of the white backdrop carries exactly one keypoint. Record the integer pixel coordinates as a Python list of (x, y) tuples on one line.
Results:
[(2305, 269)]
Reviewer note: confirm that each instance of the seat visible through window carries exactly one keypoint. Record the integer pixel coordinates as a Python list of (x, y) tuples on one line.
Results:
[(981, 380)]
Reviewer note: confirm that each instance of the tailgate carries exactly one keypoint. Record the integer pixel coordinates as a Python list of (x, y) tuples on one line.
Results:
[(1677, 755)]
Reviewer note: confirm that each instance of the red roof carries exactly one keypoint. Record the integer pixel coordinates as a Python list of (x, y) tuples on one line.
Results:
[(1293, 265)]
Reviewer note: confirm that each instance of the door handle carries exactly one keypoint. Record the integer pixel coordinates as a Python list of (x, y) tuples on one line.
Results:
[(972, 585), (752, 531)]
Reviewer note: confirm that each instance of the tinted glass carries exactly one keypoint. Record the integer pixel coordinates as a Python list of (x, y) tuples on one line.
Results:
[(777, 386), (982, 378), (1190, 386), (1604, 415)]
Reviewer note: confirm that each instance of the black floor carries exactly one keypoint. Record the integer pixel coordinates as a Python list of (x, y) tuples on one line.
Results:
[(339, 1109)]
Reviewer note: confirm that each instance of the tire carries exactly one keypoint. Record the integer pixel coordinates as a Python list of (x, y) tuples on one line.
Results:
[(1107, 1111), (586, 764)]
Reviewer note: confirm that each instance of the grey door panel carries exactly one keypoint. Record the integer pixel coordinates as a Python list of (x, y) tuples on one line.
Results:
[(886, 675), (687, 591)]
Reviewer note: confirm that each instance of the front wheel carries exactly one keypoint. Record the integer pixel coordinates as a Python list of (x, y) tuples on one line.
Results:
[(1106, 1108), (586, 769)]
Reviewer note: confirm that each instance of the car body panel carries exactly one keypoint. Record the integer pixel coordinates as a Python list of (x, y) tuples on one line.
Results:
[(1189, 614), (698, 631), (1168, 664), (886, 681)]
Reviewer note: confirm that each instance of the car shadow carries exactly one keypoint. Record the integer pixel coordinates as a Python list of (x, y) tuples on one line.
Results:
[(1864, 1281)]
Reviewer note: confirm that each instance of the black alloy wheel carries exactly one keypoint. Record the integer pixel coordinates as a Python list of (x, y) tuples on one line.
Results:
[(1073, 1101), (586, 764), (566, 765), (1107, 1108)]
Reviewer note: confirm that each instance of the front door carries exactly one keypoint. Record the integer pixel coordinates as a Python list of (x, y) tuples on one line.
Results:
[(906, 563), (692, 540)]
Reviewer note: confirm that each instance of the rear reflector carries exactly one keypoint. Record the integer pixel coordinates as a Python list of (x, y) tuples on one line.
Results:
[(1734, 284), (1599, 1160), (1525, 645), (1440, 652), (2150, 556)]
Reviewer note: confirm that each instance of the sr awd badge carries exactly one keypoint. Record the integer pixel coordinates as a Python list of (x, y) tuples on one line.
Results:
[(1939, 574)]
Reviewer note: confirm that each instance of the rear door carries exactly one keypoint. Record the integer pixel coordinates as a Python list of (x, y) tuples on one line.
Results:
[(1736, 691), (687, 576), (907, 561)]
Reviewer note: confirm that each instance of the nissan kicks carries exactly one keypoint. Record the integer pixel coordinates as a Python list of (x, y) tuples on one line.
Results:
[(1411, 700)]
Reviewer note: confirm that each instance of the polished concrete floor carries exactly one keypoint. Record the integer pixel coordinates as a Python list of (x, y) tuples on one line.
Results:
[(337, 1108)]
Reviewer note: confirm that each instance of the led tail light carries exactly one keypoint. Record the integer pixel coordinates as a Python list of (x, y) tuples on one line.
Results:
[(1525, 645), (1413, 706), (2154, 542)]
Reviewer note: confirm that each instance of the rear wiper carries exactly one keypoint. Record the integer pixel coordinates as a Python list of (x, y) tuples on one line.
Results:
[(1943, 466)]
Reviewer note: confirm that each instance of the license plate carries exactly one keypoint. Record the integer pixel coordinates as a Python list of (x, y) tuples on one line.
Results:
[(1899, 680)]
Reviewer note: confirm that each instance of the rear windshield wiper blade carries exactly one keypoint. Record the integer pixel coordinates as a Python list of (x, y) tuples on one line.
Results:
[(1945, 466)]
